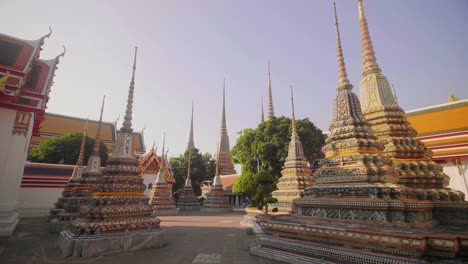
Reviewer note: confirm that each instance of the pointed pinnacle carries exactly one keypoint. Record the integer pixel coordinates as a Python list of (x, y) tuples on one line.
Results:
[(162, 153), (188, 169), (270, 109), (369, 60), (223, 115), (82, 147), (293, 121), (127, 124), (98, 131), (343, 81), (262, 118), (191, 143)]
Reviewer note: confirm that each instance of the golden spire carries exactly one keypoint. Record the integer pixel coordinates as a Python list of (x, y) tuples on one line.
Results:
[(293, 121), (270, 109), (127, 124), (452, 98), (98, 132), (262, 118), (343, 81), (191, 143), (369, 60), (82, 148)]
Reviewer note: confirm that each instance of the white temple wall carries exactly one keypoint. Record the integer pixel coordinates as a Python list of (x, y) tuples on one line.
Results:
[(458, 175), (12, 158), (37, 202), (147, 179)]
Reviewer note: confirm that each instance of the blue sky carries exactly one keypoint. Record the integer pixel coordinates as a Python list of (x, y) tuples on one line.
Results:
[(186, 48)]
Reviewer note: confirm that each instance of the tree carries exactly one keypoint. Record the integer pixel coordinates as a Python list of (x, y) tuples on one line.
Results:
[(66, 148), (265, 149), (202, 167)]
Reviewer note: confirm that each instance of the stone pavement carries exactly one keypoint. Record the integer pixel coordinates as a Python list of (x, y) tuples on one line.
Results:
[(193, 237)]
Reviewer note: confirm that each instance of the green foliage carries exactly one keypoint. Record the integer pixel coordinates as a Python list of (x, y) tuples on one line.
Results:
[(266, 148), (202, 167), (66, 148)]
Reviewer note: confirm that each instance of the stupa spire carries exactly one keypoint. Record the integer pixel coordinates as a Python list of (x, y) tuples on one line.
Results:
[(262, 118), (293, 121), (452, 97), (343, 81), (270, 109), (82, 147), (98, 132), (369, 60), (188, 181), (191, 143), (223, 114), (127, 124)]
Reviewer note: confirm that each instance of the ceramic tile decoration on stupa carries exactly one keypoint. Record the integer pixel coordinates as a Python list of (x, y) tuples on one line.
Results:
[(187, 200), (357, 212), (222, 155), (410, 157), (73, 182), (119, 218), (81, 187), (216, 201), (161, 197), (296, 173)]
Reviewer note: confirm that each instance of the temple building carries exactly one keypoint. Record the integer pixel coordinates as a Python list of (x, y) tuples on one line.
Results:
[(222, 155), (296, 173), (358, 211), (118, 218), (55, 125), (150, 165), (25, 84)]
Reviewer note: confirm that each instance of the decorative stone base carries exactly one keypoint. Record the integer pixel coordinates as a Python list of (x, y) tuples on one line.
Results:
[(189, 207), (57, 226), (94, 245), (166, 212), (216, 209)]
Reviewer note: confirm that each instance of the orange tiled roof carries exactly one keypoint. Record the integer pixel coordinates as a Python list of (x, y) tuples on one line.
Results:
[(443, 128)]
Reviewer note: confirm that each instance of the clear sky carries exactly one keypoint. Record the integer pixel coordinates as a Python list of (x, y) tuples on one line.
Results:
[(186, 48)]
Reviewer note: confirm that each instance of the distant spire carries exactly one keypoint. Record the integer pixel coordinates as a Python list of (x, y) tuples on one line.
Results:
[(223, 115), (127, 124), (162, 155), (191, 143), (294, 127), (452, 98), (394, 93), (262, 118), (343, 81), (82, 148), (369, 60), (188, 182), (270, 109), (98, 132)]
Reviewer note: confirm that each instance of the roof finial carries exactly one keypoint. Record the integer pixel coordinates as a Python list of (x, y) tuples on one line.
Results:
[(343, 81), (191, 143), (394, 93), (293, 121), (262, 118), (223, 115), (154, 143), (369, 60), (270, 109), (127, 124), (162, 155), (452, 98), (98, 132), (82, 147)]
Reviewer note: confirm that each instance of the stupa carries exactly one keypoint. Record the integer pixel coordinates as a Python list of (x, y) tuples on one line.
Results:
[(216, 201), (187, 200), (410, 157), (262, 116), (191, 142), (270, 108), (222, 155), (119, 217), (67, 191), (357, 212), (161, 197), (296, 173)]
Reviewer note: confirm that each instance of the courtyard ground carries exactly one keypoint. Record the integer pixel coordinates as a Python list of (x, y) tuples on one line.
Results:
[(193, 237)]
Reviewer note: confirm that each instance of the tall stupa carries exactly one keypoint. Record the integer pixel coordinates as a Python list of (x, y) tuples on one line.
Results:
[(380, 107), (119, 217), (357, 212), (191, 142), (270, 108), (68, 190), (187, 200), (161, 197), (216, 201), (296, 173), (222, 155)]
